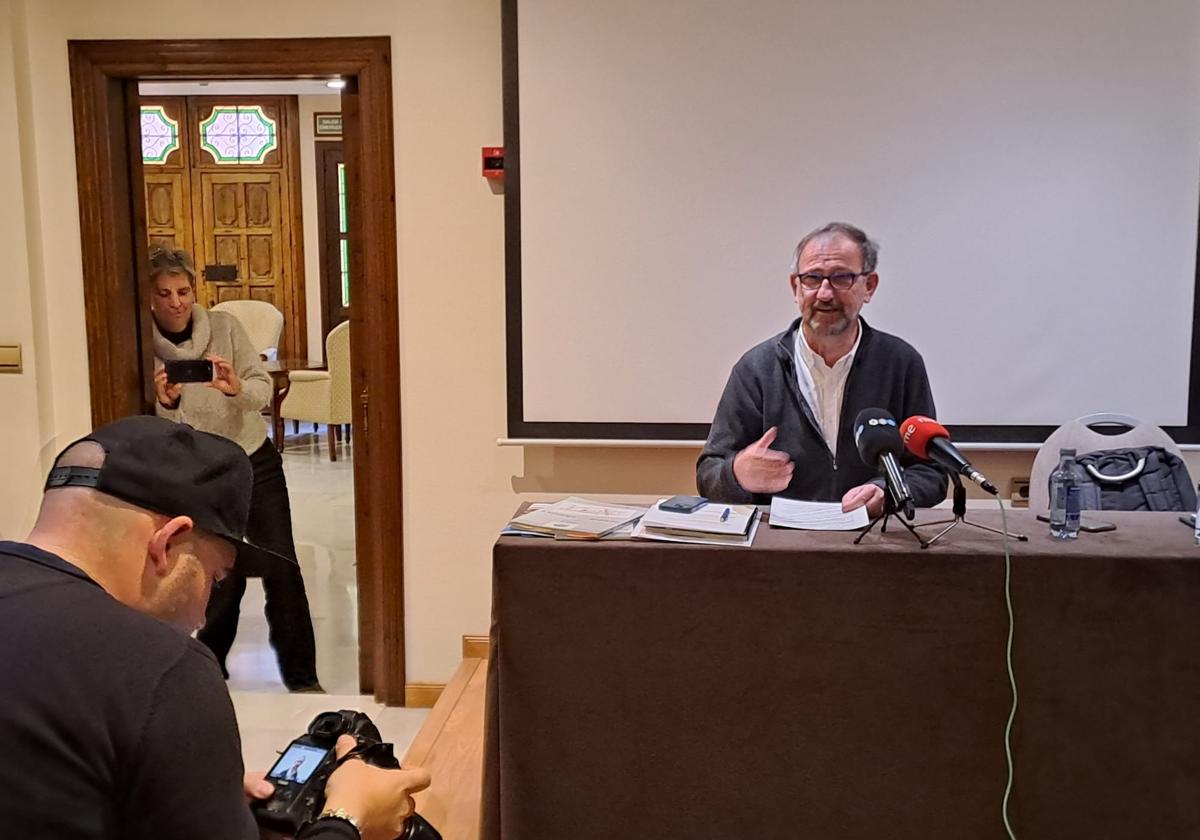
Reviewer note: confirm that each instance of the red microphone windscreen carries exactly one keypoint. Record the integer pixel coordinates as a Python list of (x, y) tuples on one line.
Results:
[(918, 430)]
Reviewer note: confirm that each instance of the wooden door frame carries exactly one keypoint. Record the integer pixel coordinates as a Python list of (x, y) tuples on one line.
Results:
[(327, 233), (112, 217)]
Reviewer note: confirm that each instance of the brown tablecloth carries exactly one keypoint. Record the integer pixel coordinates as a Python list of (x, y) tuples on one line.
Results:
[(811, 688)]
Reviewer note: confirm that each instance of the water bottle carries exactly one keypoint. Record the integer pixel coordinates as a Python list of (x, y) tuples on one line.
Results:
[(1064, 497), (1196, 521)]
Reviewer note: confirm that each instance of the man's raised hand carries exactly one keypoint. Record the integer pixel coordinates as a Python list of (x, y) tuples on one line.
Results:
[(761, 469)]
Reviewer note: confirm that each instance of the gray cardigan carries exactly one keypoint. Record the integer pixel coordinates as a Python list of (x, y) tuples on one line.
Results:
[(763, 392)]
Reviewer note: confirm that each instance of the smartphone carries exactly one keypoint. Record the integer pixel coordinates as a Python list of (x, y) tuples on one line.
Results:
[(683, 504), (1086, 524), (189, 370)]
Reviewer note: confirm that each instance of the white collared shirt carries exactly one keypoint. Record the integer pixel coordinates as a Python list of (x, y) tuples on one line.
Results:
[(824, 386)]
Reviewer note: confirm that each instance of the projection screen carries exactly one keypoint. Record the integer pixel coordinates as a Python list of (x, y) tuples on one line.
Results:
[(1028, 168)]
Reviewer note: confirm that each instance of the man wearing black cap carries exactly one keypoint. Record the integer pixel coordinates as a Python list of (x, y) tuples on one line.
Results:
[(117, 724)]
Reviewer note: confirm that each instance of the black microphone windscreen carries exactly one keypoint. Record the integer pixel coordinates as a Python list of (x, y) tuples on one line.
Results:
[(876, 433)]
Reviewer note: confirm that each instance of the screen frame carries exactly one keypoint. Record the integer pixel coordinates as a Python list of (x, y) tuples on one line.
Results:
[(301, 745)]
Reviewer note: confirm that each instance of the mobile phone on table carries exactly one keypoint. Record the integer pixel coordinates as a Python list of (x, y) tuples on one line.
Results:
[(1086, 524), (189, 370), (683, 504)]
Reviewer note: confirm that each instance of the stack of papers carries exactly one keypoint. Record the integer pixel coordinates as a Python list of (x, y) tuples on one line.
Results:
[(574, 519), (816, 516), (711, 524)]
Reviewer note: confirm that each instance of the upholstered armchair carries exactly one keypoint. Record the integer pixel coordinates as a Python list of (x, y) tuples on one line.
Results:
[(262, 322), (323, 396)]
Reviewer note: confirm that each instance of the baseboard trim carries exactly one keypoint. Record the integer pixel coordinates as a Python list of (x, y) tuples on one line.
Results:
[(476, 647), (425, 695), (422, 695)]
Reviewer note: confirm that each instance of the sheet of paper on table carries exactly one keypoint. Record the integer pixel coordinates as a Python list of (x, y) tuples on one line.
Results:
[(576, 518), (816, 516)]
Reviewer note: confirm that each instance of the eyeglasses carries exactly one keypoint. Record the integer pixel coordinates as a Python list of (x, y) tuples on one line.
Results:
[(840, 282)]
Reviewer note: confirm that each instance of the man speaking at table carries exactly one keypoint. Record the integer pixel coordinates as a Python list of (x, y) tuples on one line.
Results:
[(783, 425)]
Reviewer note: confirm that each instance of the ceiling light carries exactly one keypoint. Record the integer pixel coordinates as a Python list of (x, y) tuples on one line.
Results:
[(336, 84)]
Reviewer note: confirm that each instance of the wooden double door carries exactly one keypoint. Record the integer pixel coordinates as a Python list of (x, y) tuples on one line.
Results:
[(225, 187)]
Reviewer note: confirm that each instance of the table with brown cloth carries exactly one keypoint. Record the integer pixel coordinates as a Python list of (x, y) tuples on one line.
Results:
[(811, 688)]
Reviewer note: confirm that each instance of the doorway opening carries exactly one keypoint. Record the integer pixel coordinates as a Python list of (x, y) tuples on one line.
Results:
[(115, 227)]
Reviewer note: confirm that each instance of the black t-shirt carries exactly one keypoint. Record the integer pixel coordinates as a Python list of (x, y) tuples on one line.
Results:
[(177, 338), (114, 724)]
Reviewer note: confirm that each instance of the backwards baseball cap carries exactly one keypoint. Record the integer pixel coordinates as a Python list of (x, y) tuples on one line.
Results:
[(173, 469)]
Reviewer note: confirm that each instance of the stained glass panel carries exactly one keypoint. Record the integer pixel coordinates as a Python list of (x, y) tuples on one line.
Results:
[(345, 272), (341, 169), (160, 134), (345, 244), (238, 134)]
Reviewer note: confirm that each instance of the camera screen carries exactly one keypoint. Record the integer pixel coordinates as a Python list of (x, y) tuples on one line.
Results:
[(297, 763)]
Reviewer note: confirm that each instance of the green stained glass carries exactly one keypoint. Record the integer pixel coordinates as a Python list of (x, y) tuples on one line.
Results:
[(345, 272), (238, 134), (160, 134), (341, 197)]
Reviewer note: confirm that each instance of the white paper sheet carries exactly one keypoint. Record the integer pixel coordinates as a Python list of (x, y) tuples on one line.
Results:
[(816, 516)]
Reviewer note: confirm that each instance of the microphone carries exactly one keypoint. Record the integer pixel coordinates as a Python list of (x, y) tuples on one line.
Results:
[(928, 439), (878, 444)]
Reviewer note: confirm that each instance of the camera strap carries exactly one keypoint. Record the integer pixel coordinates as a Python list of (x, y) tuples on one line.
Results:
[(378, 754)]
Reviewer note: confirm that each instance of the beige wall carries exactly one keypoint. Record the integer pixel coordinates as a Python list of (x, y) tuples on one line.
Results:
[(24, 412), (460, 485)]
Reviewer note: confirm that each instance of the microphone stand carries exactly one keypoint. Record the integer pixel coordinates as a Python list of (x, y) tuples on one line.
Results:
[(959, 508), (889, 511)]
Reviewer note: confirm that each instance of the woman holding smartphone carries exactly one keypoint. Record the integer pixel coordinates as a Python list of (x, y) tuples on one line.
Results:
[(230, 405)]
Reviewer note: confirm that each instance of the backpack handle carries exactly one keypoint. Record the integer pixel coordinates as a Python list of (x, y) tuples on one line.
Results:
[(1133, 473)]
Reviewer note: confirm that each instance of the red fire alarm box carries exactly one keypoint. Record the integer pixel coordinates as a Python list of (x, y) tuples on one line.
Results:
[(493, 161)]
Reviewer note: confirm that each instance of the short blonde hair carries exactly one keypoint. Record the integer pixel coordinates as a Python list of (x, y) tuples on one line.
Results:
[(164, 260)]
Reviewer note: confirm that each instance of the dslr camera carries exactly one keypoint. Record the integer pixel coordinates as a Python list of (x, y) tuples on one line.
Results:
[(300, 774)]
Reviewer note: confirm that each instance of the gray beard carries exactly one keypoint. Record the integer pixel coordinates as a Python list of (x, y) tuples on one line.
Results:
[(830, 329)]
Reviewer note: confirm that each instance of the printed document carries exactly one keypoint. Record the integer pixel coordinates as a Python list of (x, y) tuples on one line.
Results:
[(816, 516)]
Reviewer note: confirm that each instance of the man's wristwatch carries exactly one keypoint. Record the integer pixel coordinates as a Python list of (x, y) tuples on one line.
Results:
[(340, 814)]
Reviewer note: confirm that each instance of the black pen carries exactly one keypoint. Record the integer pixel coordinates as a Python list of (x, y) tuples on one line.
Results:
[(725, 515)]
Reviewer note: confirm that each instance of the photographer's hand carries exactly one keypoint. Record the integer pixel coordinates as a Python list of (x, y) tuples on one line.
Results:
[(256, 786), (167, 392), (379, 800), (225, 378)]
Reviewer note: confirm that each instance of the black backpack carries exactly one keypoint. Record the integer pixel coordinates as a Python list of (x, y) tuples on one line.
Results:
[(1137, 478)]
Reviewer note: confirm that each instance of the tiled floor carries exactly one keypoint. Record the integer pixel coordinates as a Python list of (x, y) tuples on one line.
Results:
[(322, 498)]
